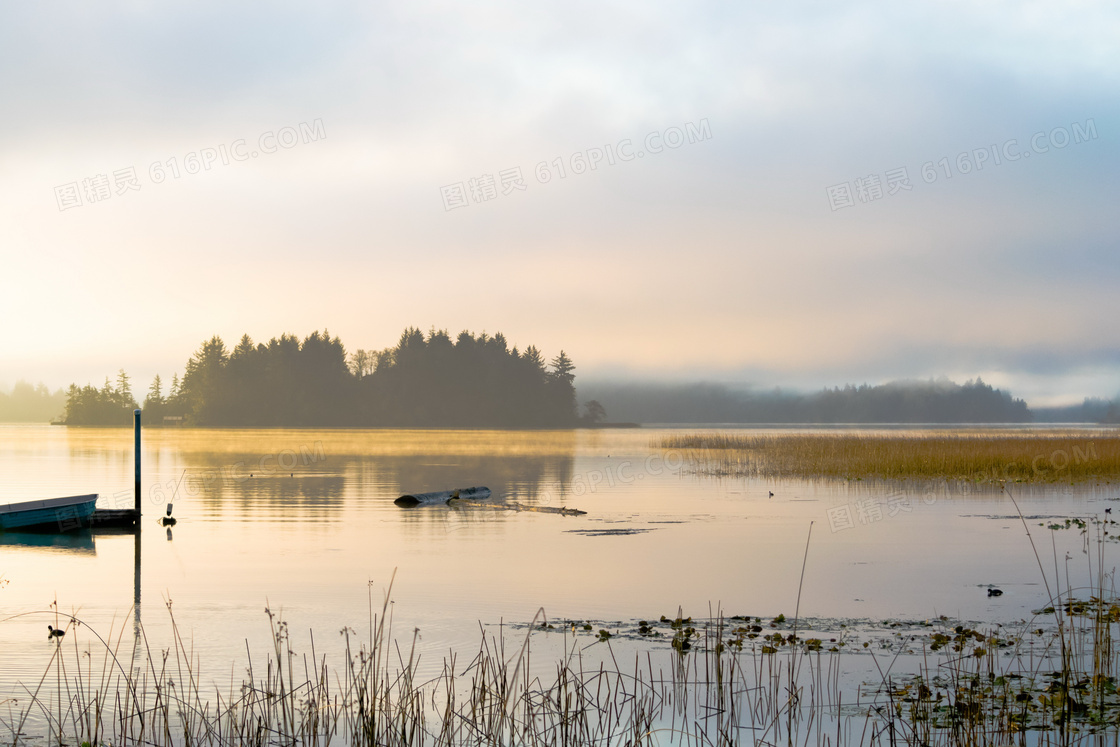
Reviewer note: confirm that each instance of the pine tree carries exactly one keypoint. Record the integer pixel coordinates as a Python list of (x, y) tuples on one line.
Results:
[(124, 388), (562, 368)]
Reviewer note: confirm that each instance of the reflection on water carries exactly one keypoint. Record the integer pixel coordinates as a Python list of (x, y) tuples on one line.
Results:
[(305, 521), (75, 542)]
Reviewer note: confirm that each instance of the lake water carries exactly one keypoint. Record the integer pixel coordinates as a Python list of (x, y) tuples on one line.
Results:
[(303, 522)]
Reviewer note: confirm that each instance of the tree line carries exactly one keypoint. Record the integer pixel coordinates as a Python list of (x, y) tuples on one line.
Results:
[(424, 381), (933, 401), (26, 403), (1091, 410), (433, 380)]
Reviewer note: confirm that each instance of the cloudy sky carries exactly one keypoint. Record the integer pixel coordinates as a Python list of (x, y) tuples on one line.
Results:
[(858, 192)]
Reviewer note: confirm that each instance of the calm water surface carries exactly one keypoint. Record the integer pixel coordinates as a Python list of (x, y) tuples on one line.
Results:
[(303, 522)]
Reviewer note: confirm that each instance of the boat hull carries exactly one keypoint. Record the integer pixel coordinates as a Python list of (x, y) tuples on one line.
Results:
[(61, 514)]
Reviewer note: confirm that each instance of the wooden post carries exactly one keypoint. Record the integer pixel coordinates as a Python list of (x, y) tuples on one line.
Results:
[(138, 524), (136, 456)]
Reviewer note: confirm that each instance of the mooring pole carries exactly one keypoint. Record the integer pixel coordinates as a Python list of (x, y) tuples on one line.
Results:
[(136, 536), (136, 456)]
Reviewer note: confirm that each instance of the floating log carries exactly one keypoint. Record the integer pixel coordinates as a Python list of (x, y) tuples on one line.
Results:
[(521, 507), (442, 496)]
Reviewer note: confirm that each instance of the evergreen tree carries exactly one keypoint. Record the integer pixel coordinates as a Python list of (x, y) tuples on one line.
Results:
[(124, 387), (562, 368), (109, 405), (155, 392), (153, 407), (561, 385), (202, 385)]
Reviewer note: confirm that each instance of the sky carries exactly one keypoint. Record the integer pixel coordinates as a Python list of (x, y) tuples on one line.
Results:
[(798, 194)]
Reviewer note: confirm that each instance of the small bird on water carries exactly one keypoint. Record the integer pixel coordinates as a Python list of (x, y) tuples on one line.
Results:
[(55, 632), (995, 593), (771, 493)]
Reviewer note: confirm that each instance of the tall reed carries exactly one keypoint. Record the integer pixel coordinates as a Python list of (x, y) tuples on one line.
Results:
[(985, 456), (720, 681)]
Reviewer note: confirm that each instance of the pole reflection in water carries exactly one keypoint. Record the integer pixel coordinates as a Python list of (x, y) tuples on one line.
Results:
[(136, 582)]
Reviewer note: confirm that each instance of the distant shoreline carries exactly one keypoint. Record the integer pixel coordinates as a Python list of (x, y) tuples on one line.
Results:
[(165, 426), (1039, 427)]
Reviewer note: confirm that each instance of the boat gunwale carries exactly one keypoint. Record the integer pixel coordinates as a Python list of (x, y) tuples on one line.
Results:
[(46, 504)]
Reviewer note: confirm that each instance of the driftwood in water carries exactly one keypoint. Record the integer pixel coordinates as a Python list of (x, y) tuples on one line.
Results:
[(473, 498), (520, 507), (442, 496)]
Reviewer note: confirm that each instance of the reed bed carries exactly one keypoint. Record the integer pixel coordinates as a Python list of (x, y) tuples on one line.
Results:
[(730, 685), (976, 456), (971, 687), (720, 681), (698, 695)]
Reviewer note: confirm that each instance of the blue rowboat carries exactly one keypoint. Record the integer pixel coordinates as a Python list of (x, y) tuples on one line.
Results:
[(61, 514)]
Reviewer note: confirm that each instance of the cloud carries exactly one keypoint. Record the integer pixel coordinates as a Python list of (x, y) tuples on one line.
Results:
[(717, 258)]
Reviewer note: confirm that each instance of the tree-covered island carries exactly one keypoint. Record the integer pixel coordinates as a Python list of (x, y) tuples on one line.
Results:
[(430, 380)]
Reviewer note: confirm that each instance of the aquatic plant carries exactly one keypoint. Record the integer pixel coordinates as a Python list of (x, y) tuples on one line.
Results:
[(986, 456), (716, 680)]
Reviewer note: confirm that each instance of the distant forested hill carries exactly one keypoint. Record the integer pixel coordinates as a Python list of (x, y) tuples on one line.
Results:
[(478, 381), (939, 401), (424, 381), (1092, 410), (31, 404)]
